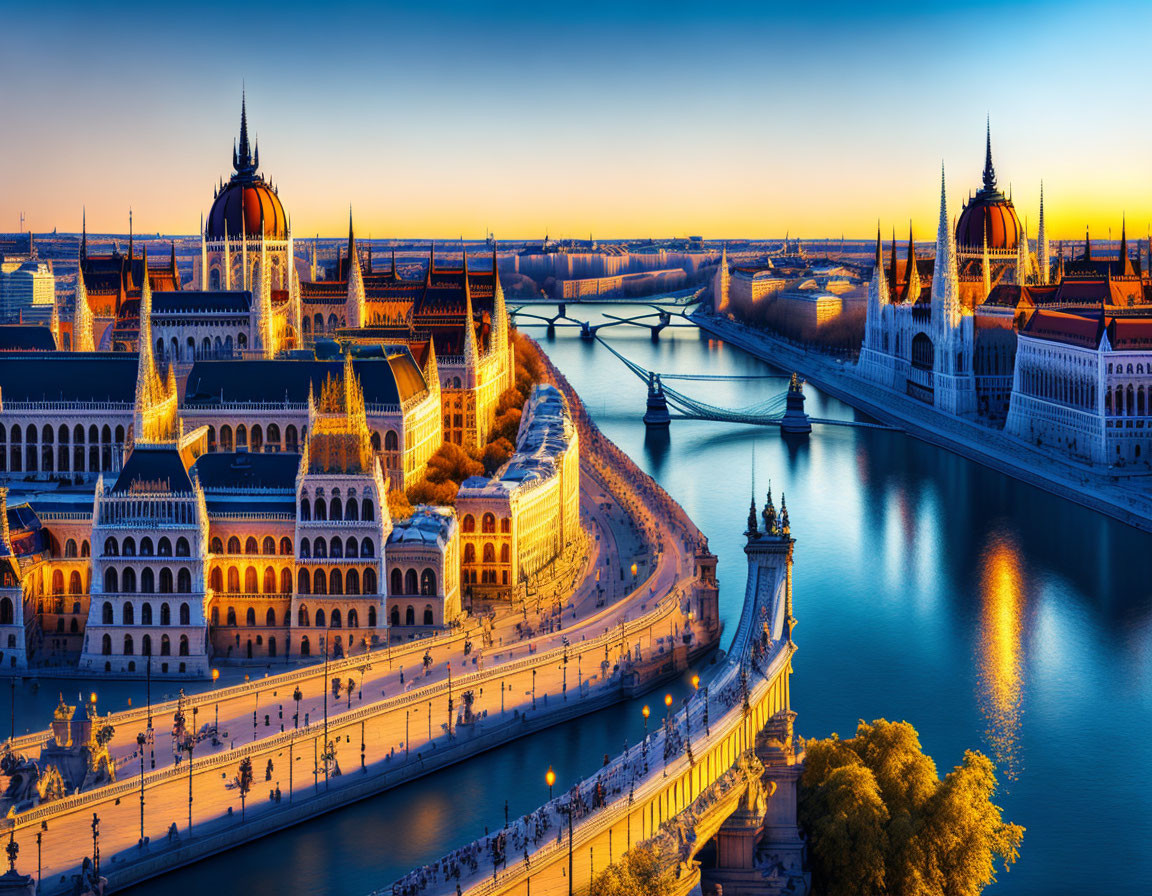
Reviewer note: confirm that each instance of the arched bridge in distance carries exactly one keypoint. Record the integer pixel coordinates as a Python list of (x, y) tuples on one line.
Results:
[(720, 777)]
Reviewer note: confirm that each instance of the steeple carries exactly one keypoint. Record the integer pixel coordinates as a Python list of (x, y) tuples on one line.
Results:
[(989, 171), (878, 297), (129, 233), (1125, 266), (945, 277), (1042, 242), (81, 317), (769, 513), (892, 281), (1087, 245), (912, 285), (471, 351), (83, 233), (154, 419), (393, 262), (242, 158), (354, 308), (1023, 256), (431, 367), (721, 283)]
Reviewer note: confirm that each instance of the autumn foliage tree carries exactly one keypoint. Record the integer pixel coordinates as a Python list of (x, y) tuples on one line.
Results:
[(641, 871), (881, 821)]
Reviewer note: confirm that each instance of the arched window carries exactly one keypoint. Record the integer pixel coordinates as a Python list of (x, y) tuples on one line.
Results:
[(410, 616), (106, 611), (146, 645), (273, 437), (395, 617), (165, 614), (233, 545), (371, 617), (302, 582), (321, 509), (367, 509), (75, 586), (367, 548), (320, 548), (250, 582), (106, 645), (110, 584), (250, 546), (505, 525), (127, 614), (250, 616), (165, 580), (350, 547), (505, 554), (285, 546), (6, 614), (305, 509), (305, 549), (336, 623), (128, 648), (368, 581), (410, 585), (469, 553), (320, 617), (428, 583), (285, 581), (336, 509), (488, 523), (429, 617), (353, 618), (69, 546), (270, 617), (319, 582), (291, 440), (216, 580), (305, 648), (110, 549), (164, 548), (146, 613), (233, 580), (302, 615), (183, 645), (352, 582), (185, 614), (165, 646), (337, 549), (489, 552), (397, 582), (269, 580), (146, 548), (182, 548), (269, 545), (147, 580), (216, 546), (230, 619), (184, 582), (351, 511), (335, 582), (469, 523)]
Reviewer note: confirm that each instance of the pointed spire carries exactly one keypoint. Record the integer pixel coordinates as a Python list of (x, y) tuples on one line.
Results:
[(81, 316), (945, 277), (393, 262), (351, 238), (431, 367), (1023, 256), (892, 281), (879, 254), (785, 528), (912, 285), (242, 157), (354, 311), (83, 233), (989, 171), (1042, 242), (471, 350), (768, 514), (129, 233), (1125, 267), (1087, 245)]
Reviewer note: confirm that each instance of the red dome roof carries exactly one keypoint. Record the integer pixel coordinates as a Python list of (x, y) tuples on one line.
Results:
[(241, 206), (988, 213), (246, 204), (993, 215)]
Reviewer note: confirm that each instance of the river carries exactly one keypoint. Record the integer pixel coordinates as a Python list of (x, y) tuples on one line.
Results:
[(989, 614)]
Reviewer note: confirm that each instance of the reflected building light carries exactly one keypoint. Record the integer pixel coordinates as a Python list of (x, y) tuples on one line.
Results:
[(1001, 666)]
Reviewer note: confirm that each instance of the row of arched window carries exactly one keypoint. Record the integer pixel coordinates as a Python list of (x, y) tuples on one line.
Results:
[(1126, 401), (51, 450), (268, 546), (410, 615), (350, 582), (205, 349), (70, 548), (336, 548), (487, 523), (334, 619), (252, 581), (128, 614), (75, 582), (124, 581), (406, 582), (163, 548), (1131, 368), (145, 646), (488, 553), (334, 509), (258, 438)]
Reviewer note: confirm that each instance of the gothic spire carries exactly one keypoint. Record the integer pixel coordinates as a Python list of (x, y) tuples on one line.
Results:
[(1125, 267), (1087, 245), (242, 157), (83, 233), (892, 281), (945, 277), (1042, 242), (354, 309), (989, 171), (912, 285), (471, 350), (130, 233)]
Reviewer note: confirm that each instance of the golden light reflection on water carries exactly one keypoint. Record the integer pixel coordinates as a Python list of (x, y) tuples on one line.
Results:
[(1001, 670)]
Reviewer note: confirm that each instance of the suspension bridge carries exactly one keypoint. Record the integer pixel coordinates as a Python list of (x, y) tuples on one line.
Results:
[(662, 316), (785, 409)]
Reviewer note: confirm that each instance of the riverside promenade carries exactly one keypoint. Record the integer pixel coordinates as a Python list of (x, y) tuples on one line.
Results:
[(1121, 495), (591, 648)]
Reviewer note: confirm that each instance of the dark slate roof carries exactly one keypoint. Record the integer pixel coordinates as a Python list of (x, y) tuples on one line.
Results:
[(247, 470), (384, 381), (24, 337), (68, 376), (148, 465), (213, 301), (27, 533), (225, 506)]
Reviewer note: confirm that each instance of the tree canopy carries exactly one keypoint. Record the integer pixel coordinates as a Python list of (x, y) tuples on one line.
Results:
[(642, 871), (881, 821)]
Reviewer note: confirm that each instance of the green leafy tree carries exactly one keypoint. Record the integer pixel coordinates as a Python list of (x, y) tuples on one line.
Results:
[(641, 872), (881, 821)]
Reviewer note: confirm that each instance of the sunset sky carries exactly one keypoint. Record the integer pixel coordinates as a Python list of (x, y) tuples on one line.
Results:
[(619, 119)]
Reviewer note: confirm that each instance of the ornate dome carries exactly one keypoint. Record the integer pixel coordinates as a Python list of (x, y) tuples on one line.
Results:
[(246, 203), (988, 212)]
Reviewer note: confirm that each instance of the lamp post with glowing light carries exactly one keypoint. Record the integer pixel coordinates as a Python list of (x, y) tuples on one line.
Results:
[(216, 722), (141, 739), (550, 778), (645, 712), (667, 730)]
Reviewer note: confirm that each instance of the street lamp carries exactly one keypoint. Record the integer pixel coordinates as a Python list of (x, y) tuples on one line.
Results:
[(140, 741), (297, 695), (550, 778), (645, 712)]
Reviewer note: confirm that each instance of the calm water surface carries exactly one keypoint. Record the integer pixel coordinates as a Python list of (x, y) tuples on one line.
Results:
[(987, 613)]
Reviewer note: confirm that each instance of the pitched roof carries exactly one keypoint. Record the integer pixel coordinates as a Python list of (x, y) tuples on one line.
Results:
[(24, 337), (68, 376), (192, 300), (247, 470), (153, 468)]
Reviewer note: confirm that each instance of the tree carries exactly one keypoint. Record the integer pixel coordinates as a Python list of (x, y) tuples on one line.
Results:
[(399, 507), (496, 453), (642, 871), (880, 820), (244, 782)]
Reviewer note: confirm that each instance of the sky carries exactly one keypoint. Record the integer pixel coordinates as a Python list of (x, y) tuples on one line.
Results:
[(724, 119)]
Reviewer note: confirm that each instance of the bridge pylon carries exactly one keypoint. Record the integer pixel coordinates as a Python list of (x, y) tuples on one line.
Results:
[(795, 421), (656, 416)]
